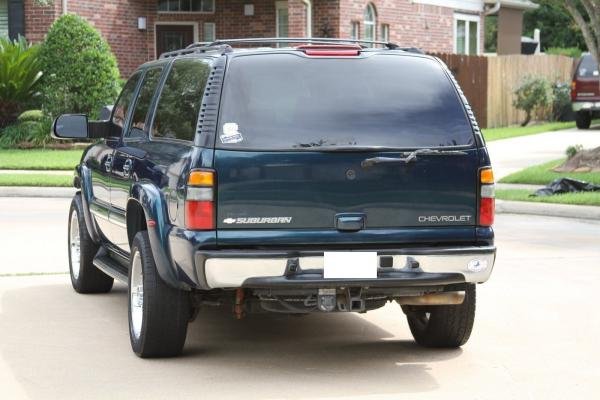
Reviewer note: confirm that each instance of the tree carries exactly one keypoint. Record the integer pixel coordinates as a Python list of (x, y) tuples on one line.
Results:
[(586, 14), (555, 24), (80, 71)]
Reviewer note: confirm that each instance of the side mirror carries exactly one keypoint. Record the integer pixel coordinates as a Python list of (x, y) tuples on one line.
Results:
[(70, 126)]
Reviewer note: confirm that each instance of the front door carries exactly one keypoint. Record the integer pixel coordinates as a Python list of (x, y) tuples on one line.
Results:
[(173, 37)]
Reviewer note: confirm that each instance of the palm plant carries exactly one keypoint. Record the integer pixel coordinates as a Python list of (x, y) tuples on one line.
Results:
[(19, 75)]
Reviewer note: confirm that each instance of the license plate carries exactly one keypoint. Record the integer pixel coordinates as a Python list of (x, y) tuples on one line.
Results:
[(350, 265)]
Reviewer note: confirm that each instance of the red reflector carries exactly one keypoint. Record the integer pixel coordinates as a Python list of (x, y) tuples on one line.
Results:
[(325, 50), (335, 53), (199, 215), (486, 211)]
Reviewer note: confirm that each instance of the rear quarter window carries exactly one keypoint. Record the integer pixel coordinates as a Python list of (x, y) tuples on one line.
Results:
[(588, 67), (286, 101)]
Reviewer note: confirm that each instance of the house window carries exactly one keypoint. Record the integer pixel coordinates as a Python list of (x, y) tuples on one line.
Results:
[(466, 34), (385, 33), (281, 19), (208, 32), (205, 6), (355, 30), (370, 22)]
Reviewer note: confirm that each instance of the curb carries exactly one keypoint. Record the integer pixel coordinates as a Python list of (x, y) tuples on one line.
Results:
[(33, 191), (548, 209)]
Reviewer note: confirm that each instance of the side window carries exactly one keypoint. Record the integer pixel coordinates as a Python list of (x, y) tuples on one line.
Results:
[(138, 120), (179, 103), (124, 103)]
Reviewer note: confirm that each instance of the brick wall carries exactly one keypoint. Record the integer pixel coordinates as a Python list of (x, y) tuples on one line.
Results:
[(39, 18), (411, 24)]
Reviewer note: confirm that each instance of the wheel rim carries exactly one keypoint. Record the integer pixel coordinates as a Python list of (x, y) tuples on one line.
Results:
[(75, 245), (136, 302)]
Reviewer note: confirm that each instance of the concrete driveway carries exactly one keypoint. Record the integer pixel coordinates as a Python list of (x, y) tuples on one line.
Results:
[(536, 331), (511, 155)]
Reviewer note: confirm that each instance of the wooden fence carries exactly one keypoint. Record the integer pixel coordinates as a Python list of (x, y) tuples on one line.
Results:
[(505, 73), (489, 82)]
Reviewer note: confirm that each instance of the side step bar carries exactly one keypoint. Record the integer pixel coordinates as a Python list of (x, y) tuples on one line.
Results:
[(110, 267)]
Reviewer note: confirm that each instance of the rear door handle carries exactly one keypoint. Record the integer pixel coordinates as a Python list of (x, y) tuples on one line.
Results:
[(108, 163), (127, 168), (350, 222)]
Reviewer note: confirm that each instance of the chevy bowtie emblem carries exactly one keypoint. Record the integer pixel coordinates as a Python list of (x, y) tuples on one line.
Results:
[(229, 221)]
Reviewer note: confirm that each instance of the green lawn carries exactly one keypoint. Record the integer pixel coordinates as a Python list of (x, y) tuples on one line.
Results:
[(542, 175), (39, 159), (36, 180), (514, 131), (586, 198)]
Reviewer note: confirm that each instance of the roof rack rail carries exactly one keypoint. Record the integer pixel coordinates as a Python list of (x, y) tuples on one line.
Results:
[(388, 45), (198, 47), (223, 46)]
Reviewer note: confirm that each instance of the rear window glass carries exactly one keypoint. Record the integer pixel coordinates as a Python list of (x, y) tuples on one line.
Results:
[(587, 67), (286, 101)]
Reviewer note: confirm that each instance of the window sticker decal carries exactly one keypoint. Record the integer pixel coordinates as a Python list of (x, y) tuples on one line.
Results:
[(231, 133)]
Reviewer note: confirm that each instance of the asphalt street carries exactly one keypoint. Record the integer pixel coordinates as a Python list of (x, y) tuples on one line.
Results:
[(536, 331)]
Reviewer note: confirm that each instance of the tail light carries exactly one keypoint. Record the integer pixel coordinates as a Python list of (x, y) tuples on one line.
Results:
[(200, 200), (331, 50), (573, 90), (486, 197)]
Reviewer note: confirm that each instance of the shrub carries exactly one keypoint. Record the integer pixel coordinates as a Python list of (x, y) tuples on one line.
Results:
[(80, 71), (573, 52), (534, 94), (27, 134), (19, 77), (572, 150), (31, 115)]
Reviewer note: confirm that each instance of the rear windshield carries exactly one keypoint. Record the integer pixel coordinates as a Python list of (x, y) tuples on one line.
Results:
[(286, 101), (588, 68)]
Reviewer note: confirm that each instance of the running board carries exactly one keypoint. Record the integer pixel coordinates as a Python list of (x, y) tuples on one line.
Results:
[(110, 267)]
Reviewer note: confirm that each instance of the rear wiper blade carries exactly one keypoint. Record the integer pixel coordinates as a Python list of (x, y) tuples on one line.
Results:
[(412, 156)]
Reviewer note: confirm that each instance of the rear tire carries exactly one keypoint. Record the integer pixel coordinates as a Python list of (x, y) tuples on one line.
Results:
[(583, 119), (443, 326), (158, 313), (85, 277)]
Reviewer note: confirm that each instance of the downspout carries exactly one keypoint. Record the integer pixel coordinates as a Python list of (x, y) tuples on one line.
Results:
[(308, 4), (64, 7), (491, 11)]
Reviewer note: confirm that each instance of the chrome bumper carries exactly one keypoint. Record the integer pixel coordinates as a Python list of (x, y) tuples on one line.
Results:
[(586, 106), (231, 269)]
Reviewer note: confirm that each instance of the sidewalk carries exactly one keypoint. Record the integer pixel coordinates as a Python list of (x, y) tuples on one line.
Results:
[(512, 155)]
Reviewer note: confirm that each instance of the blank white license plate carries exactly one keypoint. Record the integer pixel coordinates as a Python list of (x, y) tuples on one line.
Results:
[(351, 265)]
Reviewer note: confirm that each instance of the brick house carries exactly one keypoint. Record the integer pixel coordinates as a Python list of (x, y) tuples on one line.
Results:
[(139, 30)]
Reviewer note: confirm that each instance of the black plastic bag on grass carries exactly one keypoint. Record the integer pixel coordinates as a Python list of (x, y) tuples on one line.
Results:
[(566, 185)]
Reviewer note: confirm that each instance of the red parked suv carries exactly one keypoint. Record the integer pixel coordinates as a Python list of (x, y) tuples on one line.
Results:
[(585, 91)]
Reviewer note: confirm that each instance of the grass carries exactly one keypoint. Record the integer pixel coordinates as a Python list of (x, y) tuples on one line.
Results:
[(38, 159), (583, 198), (35, 180), (542, 174), (514, 131)]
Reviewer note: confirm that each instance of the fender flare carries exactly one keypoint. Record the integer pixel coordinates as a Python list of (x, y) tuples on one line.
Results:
[(150, 198), (85, 183)]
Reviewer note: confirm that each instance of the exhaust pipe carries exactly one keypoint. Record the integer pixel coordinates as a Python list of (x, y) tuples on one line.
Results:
[(432, 299)]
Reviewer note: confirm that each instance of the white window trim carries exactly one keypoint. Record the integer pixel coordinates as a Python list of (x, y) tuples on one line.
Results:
[(194, 24), (354, 24), (372, 23), (214, 30), (188, 12), (308, 29), (467, 18), (280, 5), (386, 30)]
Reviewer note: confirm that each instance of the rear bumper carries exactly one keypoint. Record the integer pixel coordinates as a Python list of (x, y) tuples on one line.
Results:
[(589, 105), (304, 269)]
